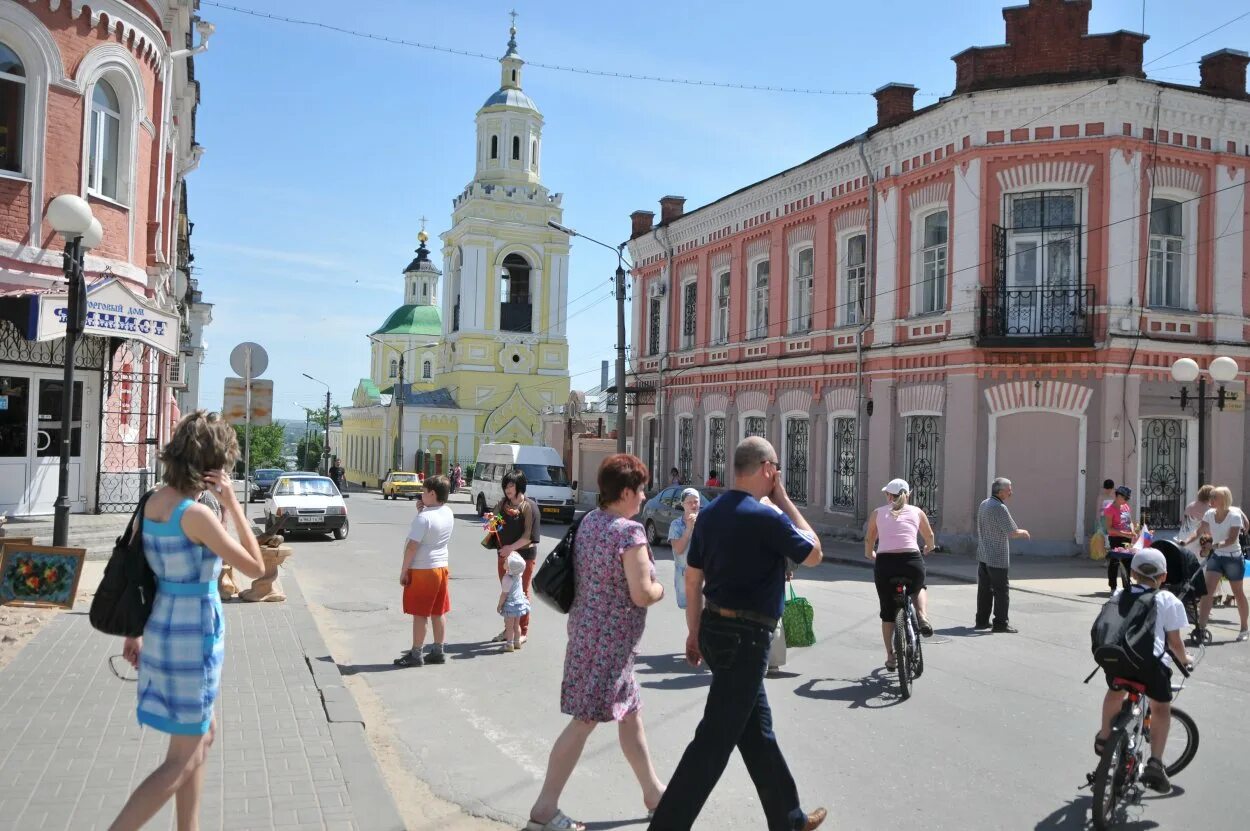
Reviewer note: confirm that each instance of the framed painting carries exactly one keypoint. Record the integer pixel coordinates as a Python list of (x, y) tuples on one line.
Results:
[(39, 575)]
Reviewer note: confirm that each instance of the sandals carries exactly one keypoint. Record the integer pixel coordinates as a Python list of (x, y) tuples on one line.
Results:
[(559, 822), (926, 628), (1100, 744)]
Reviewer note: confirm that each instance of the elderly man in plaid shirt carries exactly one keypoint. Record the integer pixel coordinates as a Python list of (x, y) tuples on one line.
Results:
[(995, 531)]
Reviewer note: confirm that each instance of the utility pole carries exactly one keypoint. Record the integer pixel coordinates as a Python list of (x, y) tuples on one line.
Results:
[(399, 439), (620, 351), (325, 451), (303, 462)]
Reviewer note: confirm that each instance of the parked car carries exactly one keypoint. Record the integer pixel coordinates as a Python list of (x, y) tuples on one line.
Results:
[(660, 510), (545, 479), (407, 485), (304, 502), (262, 482)]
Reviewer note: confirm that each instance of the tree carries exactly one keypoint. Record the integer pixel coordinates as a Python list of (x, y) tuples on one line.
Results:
[(308, 452), (266, 446)]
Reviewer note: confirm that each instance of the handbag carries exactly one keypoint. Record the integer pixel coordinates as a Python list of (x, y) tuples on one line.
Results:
[(127, 590), (1098, 546), (554, 581), (796, 620)]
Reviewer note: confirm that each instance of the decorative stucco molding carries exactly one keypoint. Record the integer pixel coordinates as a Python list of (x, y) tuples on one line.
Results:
[(683, 405), (752, 400), (934, 194), (122, 20), (795, 400), (840, 400), (1055, 396), (715, 403), (721, 259), (923, 399), (1045, 173), (757, 248), (1177, 178), (847, 220), (801, 233)]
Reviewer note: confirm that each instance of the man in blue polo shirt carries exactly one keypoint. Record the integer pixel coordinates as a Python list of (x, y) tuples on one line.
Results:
[(735, 582)]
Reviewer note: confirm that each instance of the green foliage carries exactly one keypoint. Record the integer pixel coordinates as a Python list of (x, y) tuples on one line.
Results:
[(308, 452), (266, 446)]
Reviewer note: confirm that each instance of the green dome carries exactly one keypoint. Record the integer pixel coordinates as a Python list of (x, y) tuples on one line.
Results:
[(413, 320)]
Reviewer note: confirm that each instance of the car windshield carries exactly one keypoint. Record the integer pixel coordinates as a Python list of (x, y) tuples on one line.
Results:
[(305, 487), (403, 477), (544, 474), (268, 475)]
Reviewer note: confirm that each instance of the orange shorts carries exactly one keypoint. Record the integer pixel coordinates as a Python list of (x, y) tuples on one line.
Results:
[(427, 593)]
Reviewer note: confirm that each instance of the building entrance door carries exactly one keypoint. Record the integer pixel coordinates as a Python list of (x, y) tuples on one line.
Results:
[(30, 443)]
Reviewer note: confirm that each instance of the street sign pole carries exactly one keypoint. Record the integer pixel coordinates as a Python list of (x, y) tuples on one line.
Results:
[(247, 430), (249, 360)]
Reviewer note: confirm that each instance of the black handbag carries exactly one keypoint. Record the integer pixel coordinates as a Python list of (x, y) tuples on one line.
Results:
[(553, 582), (127, 590)]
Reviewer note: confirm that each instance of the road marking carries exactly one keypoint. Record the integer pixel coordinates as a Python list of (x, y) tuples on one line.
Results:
[(514, 747)]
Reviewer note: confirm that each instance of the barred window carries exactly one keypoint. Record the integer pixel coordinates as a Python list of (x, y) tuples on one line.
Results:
[(689, 314), (844, 462)]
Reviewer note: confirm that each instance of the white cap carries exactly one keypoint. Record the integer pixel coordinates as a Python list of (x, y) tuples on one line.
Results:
[(690, 492), (1149, 562), (896, 486)]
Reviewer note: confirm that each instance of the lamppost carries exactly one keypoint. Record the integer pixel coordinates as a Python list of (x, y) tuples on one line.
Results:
[(397, 393), (1186, 371), (619, 250), (325, 450), (70, 216)]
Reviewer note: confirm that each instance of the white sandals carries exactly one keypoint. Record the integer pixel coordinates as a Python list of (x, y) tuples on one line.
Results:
[(559, 822)]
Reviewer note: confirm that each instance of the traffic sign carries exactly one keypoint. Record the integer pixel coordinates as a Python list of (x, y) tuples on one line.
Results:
[(235, 408), (249, 360)]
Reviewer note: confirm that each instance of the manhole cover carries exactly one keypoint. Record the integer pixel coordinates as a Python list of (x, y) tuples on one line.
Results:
[(936, 639), (357, 606)]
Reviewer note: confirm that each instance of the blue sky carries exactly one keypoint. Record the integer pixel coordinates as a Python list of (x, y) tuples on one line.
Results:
[(323, 150)]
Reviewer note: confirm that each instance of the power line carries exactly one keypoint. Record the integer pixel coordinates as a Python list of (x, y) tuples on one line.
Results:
[(1195, 40), (575, 70)]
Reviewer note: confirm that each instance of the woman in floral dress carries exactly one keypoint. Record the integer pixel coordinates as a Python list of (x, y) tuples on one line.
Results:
[(615, 584)]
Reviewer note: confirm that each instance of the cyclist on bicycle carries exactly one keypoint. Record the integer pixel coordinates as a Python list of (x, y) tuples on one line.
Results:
[(1149, 571), (893, 529)]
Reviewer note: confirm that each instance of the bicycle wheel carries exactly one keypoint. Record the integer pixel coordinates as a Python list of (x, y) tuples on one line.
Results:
[(918, 660), (1182, 743), (901, 654), (1109, 780)]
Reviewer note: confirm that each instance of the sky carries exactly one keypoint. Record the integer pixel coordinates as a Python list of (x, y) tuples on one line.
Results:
[(323, 150)]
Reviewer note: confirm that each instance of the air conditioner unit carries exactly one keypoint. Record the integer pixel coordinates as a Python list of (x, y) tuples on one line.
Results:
[(175, 372), (659, 289)]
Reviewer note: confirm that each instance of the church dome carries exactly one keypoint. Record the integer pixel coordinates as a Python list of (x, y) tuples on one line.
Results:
[(510, 97), (413, 320)]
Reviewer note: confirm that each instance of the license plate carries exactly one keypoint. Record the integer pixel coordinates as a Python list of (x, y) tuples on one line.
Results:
[(310, 519), (551, 510)]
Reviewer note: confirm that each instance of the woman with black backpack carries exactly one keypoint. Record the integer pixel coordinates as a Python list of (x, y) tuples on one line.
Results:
[(180, 653)]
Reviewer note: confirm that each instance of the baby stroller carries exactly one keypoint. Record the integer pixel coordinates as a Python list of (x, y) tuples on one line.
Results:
[(1185, 579)]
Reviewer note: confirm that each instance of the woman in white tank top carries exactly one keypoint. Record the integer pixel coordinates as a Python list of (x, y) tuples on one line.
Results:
[(892, 543)]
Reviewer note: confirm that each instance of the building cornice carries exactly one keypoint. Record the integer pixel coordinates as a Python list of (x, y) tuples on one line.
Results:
[(132, 26)]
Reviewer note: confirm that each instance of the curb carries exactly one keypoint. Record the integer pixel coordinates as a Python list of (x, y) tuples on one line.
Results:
[(951, 574), (373, 807)]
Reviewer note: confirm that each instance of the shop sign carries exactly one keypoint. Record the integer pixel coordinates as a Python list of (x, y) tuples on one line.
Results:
[(113, 311)]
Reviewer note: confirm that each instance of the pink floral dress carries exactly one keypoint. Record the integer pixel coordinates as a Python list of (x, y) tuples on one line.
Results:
[(605, 626)]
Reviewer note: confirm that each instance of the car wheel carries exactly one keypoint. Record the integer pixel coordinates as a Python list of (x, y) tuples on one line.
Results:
[(341, 533), (481, 504), (651, 538)]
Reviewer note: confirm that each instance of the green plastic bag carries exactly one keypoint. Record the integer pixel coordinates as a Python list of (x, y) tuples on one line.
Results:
[(796, 620)]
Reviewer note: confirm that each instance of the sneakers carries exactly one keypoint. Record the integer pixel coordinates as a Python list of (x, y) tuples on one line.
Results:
[(1153, 776), (1243, 635), (410, 658), (436, 655), (1005, 629)]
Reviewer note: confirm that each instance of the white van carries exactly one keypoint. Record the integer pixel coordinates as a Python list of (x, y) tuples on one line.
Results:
[(545, 478)]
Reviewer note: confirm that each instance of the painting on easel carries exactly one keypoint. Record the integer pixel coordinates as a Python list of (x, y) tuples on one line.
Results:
[(39, 575)]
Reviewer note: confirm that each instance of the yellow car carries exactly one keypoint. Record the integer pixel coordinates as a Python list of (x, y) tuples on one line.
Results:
[(407, 485)]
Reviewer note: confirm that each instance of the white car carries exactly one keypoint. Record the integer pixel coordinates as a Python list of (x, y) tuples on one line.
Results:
[(306, 503)]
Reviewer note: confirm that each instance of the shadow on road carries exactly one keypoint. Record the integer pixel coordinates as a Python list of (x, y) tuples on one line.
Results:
[(1076, 815), (606, 825), (961, 632), (682, 675), (362, 669), (872, 692)]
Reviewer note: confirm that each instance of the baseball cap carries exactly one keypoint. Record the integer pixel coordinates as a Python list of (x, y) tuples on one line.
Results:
[(1150, 562), (690, 492), (896, 486), (1125, 491)]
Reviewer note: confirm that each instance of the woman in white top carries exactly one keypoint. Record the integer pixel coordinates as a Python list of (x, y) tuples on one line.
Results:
[(1224, 523), (892, 542)]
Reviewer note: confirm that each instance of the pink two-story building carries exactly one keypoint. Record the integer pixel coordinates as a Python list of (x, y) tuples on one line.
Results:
[(994, 285)]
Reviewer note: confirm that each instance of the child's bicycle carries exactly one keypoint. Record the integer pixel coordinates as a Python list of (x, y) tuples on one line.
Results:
[(1117, 777)]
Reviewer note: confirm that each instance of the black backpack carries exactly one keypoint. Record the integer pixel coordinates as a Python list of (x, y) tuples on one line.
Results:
[(124, 599), (554, 581), (1123, 635)]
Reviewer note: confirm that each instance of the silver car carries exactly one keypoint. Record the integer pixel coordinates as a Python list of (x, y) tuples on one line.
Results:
[(660, 510)]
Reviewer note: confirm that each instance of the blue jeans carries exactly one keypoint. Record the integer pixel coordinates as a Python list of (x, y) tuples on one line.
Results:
[(679, 579), (736, 715)]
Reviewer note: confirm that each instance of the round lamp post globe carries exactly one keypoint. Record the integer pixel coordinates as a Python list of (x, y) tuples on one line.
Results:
[(94, 235), (1185, 371), (69, 215), (1223, 370)]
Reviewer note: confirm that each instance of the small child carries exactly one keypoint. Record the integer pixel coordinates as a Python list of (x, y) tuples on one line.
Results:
[(513, 604)]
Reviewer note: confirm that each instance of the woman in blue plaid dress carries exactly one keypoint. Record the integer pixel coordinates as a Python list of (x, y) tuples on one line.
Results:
[(180, 654)]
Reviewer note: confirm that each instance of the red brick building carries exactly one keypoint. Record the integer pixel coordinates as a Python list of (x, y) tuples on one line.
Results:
[(993, 285), (97, 99)]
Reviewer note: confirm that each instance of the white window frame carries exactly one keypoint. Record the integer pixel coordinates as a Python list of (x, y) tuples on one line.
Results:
[(113, 63), (101, 118), (802, 297), (847, 317), (941, 253), (688, 340), (753, 329), (707, 443), (1189, 249), (656, 330), (721, 320), (803, 415), (22, 81)]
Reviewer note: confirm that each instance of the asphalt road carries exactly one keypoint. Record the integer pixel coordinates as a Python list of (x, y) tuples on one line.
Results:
[(997, 735)]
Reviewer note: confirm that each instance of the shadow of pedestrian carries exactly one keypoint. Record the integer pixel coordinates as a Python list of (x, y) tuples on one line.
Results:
[(606, 825), (364, 669), (961, 632), (873, 692)]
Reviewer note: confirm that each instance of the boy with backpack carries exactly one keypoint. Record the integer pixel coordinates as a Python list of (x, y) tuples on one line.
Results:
[(1135, 637)]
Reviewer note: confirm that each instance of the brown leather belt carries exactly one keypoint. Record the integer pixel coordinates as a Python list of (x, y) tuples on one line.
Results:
[(736, 614)]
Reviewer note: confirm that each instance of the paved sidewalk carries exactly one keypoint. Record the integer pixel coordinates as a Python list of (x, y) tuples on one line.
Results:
[(290, 751), (1072, 578)]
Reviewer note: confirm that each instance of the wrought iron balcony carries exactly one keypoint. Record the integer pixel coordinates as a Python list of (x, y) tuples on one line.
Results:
[(516, 317), (1044, 316)]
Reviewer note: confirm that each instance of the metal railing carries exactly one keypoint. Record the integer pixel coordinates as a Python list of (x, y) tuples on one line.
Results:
[(1053, 314)]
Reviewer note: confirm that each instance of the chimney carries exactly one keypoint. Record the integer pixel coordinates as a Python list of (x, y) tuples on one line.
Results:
[(603, 376), (671, 207), (641, 223), (894, 103), (1224, 72)]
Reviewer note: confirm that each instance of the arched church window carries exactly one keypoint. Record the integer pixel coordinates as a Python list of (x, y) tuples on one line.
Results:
[(515, 310), (394, 368), (533, 154), (426, 370), (494, 147), (425, 290), (514, 76), (516, 147)]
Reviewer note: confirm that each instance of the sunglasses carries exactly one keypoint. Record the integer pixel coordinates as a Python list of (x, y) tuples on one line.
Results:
[(122, 668)]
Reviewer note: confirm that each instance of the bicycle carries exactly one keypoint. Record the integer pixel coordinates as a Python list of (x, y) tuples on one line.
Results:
[(1117, 777), (907, 650)]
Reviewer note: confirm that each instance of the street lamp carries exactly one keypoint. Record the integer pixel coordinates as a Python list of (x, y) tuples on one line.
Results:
[(325, 450), (1186, 371), (70, 216), (619, 250), (397, 452)]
